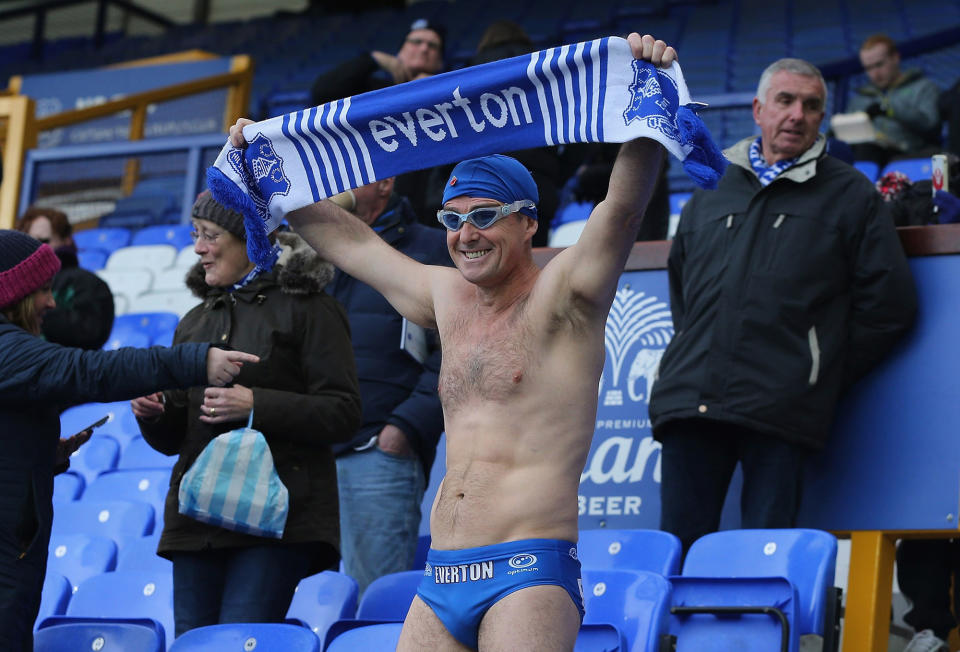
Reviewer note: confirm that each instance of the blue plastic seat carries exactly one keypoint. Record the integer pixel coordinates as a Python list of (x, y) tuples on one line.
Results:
[(140, 554), (55, 596), (380, 636), (648, 550), (105, 239), (321, 600), (600, 638), (146, 485), (99, 454), (807, 558), (915, 168), (870, 169), (677, 201), (109, 518), (103, 635), (177, 235), (68, 486), (138, 454), (92, 259), (81, 556), (262, 637), (637, 603), (388, 597), (118, 340), (749, 614), (75, 419), (150, 323), (126, 594)]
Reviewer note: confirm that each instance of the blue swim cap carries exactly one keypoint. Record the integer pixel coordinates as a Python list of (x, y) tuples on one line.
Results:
[(497, 177)]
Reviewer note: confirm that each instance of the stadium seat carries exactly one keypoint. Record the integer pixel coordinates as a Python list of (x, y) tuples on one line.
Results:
[(120, 303), (138, 454), (870, 169), (635, 602), (92, 259), (716, 614), (677, 201), (915, 168), (186, 257), (152, 257), (66, 634), (262, 637), (172, 279), (126, 594), (99, 454), (79, 556), (164, 338), (805, 558), (649, 550), (140, 554), (78, 417), (322, 599), (146, 485), (600, 638), (177, 235), (180, 302), (54, 597), (379, 636), (108, 240), (124, 338), (68, 486), (112, 518), (128, 283), (388, 597), (150, 323)]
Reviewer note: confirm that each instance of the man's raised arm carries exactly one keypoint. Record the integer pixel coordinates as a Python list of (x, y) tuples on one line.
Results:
[(596, 261), (348, 243)]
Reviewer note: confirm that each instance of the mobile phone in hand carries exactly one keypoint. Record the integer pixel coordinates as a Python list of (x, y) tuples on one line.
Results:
[(96, 424)]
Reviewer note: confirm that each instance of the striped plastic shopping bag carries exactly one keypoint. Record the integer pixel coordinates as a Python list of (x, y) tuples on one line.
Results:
[(234, 484)]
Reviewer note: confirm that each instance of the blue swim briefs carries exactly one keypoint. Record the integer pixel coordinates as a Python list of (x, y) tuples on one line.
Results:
[(460, 585)]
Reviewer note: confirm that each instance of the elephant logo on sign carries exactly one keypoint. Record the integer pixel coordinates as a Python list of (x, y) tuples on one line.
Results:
[(645, 366)]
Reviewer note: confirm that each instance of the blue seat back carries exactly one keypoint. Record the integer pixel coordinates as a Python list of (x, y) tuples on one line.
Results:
[(381, 636), (915, 168), (92, 259), (105, 239), (649, 550), (68, 485), (869, 169), (177, 235), (678, 200), (126, 594), (635, 602), (262, 637), (99, 454), (146, 485), (600, 638), (745, 632), (138, 454), (322, 599), (389, 597), (151, 323), (807, 558), (55, 596), (78, 417), (68, 634), (109, 518), (140, 554), (80, 556)]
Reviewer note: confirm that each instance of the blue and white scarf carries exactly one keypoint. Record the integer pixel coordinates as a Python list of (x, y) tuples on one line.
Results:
[(588, 92), (766, 173)]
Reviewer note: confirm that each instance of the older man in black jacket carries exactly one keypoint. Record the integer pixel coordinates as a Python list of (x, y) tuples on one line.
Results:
[(382, 472), (787, 284)]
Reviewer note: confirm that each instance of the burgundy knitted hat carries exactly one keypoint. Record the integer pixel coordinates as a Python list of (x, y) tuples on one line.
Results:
[(26, 265)]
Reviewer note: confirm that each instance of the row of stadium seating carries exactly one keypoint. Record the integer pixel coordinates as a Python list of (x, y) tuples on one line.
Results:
[(771, 587)]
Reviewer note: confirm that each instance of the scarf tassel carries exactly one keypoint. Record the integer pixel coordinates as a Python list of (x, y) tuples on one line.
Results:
[(229, 194), (705, 163)]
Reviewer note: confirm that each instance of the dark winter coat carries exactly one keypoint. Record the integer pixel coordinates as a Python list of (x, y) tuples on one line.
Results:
[(781, 297), (304, 393), (38, 380), (396, 389)]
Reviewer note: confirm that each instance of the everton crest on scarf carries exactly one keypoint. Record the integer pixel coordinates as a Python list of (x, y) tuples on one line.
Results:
[(588, 92)]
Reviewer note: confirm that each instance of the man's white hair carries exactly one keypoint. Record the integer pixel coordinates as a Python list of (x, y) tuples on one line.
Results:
[(797, 67)]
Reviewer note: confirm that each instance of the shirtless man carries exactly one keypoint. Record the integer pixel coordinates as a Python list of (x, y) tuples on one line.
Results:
[(523, 350)]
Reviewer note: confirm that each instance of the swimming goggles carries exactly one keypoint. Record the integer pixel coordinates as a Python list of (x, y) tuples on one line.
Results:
[(483, 217)]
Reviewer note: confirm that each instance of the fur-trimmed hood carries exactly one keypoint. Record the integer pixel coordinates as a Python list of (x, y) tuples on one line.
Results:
[(300, 270)]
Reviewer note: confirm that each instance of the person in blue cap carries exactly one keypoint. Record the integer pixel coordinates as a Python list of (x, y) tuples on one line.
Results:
[(523, 350)]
